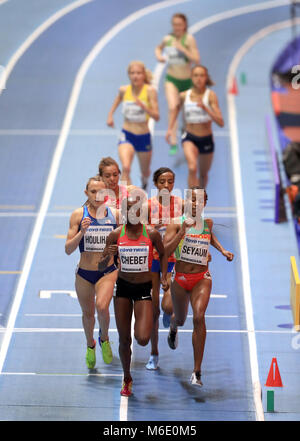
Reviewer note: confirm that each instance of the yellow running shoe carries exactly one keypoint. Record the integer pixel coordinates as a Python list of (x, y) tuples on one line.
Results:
[(106, 349), (90, 357), (106, 352)]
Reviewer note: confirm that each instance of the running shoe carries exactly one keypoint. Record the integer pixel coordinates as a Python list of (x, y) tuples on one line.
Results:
[(166, 320), (106, 349), (90, 356), (196, 379), (152, 363), (173, 339), (173, 149), (126, 390)]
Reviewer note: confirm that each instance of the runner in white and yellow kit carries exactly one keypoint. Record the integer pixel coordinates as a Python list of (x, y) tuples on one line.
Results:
[(190, 240), (140, 103)]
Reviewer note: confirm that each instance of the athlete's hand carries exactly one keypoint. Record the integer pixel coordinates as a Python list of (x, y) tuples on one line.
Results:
[(110, 121), (200, 104), (111, 250), (188, 223), (168, 136), (161, 59), (140, 103), (229, 256), (164, 284), (179, 46), (85, 224)]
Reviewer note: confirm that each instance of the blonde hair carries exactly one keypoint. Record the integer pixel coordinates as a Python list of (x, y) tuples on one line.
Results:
[(147, 73), (209, 81)]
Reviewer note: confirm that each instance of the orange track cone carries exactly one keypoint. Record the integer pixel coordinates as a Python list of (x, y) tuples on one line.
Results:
[(274, 378), (234, 88)]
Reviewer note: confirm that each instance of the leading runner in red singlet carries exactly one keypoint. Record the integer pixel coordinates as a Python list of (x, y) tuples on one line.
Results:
[(134, 244)]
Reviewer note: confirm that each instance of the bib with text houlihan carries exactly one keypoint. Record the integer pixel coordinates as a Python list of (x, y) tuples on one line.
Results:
[(95, 237)]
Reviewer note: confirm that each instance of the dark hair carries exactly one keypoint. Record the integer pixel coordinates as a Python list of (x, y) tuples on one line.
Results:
[(183, 17), (197, 187), (209, 81), (161, 171)]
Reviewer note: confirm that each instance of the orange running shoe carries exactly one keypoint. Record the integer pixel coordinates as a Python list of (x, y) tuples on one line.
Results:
[(126, 390)]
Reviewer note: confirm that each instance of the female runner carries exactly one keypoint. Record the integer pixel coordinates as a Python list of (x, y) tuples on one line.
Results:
[(89, 227), (192, 283), (134, 244), (140, 103), (162, 208), (179, 50), (200, 109)]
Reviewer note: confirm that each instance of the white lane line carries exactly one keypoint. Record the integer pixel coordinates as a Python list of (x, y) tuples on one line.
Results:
[(34, 36), (76, 330), (212, 296), (113, 315), (41, 374), (235, 154), (81, 132)]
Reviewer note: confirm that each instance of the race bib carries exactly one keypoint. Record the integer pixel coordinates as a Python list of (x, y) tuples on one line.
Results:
[(134, 259), (195, 250), (175, 56), (95, 238), (133, 112)]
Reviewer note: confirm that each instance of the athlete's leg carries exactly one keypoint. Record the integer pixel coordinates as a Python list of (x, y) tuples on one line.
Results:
[(180, 301), (104, 293), (191, 154), (200, 295), (156, 312), (123, 315), (145, 161), (86, 297), (166, 303), (172, 96), (205, 162), (126, 154), (143, 314)]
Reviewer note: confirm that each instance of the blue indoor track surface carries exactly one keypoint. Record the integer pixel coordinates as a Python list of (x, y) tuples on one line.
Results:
[(68, 60)]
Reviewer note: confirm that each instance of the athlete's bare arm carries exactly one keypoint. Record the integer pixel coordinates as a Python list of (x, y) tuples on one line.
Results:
[(111, 248)]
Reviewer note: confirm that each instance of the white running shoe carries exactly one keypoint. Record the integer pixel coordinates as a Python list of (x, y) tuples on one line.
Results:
[(152, 363), (196, 379)]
